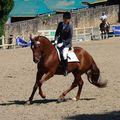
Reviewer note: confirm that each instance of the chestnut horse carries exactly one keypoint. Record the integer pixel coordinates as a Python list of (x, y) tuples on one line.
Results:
[(48, 64)]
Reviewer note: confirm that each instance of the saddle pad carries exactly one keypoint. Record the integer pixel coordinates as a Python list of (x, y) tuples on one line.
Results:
[(71, 56)]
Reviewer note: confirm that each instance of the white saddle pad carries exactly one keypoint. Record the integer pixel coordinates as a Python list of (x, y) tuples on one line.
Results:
[(71, 56)]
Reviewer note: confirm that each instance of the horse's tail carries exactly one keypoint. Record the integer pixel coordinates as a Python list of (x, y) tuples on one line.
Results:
[(93, 75)]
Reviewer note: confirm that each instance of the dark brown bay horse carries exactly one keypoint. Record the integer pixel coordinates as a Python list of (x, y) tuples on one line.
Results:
[(48, 64), (104, 28)]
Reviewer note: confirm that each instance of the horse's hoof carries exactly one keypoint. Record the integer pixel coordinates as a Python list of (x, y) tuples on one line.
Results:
[(28, 102), (60, 100), (75, 99), (44, 97)]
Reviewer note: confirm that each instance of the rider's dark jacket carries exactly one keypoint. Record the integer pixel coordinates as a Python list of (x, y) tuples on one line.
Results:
[(64, 34)]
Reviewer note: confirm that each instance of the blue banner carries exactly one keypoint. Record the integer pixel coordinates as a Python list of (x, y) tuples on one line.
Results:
[(116, 30), (23, 43)]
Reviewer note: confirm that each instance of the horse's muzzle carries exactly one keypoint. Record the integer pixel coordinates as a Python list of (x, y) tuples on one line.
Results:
[(36, 59)]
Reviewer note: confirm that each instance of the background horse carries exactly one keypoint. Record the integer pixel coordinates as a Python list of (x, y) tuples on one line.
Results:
[(104, 28), (48, 64)]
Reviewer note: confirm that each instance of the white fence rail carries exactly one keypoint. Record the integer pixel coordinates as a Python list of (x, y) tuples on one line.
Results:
[(79, 34), (50, 34), (11, 42)]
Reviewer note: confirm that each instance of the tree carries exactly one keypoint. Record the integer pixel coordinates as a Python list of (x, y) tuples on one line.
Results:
[(5, 8)]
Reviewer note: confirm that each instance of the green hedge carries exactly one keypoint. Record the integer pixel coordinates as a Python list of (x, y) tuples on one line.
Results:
[(5, 8)]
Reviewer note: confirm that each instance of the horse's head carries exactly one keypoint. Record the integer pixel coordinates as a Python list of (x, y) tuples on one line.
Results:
[(37, 47), (95, 78), (104, 21)]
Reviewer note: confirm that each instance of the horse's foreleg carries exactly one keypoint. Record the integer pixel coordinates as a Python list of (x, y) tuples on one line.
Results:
[(33, 92), (61, 97), (44, 78), (38, 77), (41, 92), (105, 35)]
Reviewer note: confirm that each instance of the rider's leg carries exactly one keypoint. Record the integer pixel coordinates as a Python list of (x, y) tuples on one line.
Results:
[(65, 63)]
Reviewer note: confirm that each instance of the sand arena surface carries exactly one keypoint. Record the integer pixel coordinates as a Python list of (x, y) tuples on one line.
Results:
[(17, 77)]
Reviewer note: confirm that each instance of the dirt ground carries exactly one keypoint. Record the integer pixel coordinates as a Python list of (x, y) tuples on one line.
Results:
[(17, 77)]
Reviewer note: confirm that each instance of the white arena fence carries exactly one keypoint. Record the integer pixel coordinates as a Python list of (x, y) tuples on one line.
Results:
[(79, 34), (11, 44)]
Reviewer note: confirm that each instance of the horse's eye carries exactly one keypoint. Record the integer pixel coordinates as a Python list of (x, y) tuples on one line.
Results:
[(32, 46), (37, 42)]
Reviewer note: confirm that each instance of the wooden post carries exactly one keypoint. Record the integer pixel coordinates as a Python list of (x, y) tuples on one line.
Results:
[(3, 41), (92, 38), (84, 33), (76, 34)]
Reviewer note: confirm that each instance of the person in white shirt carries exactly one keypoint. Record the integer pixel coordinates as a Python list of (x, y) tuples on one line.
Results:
[(103, 17)]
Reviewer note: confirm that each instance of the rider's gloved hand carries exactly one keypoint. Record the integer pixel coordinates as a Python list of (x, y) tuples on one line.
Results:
[(59, 45), (55, 42)]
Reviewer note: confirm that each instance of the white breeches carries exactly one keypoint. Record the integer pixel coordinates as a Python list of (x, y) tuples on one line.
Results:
[(65, 52)]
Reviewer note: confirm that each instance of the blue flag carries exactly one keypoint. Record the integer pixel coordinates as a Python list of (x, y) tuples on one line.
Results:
[(23, 43)]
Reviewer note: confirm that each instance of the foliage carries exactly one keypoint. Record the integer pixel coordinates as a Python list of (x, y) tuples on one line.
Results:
[(5, 8), (114, 1)]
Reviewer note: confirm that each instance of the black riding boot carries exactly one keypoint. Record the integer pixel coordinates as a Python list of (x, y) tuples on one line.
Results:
[(65, 64)]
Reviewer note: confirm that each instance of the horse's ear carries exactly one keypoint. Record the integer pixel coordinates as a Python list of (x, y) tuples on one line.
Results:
[(31, 36)]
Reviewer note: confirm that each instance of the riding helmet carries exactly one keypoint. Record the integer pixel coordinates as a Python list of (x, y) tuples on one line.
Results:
[(67, 15)]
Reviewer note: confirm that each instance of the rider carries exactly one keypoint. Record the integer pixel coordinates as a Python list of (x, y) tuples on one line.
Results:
[(63, 38), (103, 18)]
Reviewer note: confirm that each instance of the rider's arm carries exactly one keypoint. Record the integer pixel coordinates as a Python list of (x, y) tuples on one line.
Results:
[(58, 30)]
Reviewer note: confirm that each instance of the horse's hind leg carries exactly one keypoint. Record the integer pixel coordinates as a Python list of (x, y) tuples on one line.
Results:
[(61, 97), (74, 84), (77, 75), (80, 85)]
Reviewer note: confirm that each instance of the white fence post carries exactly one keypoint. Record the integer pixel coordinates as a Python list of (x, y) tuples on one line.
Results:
[(3, 41), (4, 45), (84, 33)]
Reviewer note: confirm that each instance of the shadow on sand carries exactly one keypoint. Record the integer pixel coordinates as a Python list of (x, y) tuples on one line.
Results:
[(42, 101), (114, 115), (18, 102)]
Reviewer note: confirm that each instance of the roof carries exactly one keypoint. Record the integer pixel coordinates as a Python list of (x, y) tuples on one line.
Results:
[(32, 8), (64, 4), (29, 8)]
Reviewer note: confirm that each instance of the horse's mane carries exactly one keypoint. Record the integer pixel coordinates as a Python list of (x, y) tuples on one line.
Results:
[(43, 37), (48, 46)]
